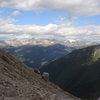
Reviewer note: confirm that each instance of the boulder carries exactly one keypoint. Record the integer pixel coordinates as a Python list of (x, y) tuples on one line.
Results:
[(45, 76)]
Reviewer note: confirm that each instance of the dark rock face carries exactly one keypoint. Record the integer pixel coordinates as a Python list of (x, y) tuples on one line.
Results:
[(36, 70), (19, 82)]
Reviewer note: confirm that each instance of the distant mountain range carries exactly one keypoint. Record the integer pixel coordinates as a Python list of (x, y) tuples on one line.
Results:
[(69, 42), (78, 72), (36, 53)]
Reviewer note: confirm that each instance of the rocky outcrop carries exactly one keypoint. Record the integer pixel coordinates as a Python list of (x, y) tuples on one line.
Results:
[(19, 82), (36, 70), (45, 76)]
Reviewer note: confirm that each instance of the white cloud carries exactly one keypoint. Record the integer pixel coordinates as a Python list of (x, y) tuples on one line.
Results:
[(66, 19), (15, 13), (6, 21), (6, 36), (77, 7), (64, 31)]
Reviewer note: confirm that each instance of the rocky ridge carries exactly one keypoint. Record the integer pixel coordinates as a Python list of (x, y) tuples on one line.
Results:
[(19, 82)]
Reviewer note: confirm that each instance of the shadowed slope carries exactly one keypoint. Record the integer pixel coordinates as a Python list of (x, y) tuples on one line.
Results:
[(78, 72), (37, 56)]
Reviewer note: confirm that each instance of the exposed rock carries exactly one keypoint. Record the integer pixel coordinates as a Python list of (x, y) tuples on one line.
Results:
[(99, 98), (19, 82), (45, 76), (36, 70)]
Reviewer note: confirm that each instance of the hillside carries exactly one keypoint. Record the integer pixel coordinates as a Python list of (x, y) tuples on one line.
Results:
[(78, 72), (19, 82), (37, 56)]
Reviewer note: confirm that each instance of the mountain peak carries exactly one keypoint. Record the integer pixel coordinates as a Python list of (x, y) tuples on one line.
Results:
[(71, 40), (47, 42)]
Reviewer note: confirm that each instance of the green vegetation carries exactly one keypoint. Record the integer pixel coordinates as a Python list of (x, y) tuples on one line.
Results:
[(96, 55), (37, 56), (18, 50), (44, 62), (31, 62)]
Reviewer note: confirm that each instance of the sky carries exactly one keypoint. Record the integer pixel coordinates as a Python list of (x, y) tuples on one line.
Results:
[(50, 19)]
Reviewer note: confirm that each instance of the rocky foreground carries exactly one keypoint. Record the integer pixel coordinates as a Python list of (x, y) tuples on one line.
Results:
[(19, 82)]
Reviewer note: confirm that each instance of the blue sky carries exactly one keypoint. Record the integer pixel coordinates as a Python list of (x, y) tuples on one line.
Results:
[(41, 17), (74, 19), (45, 17)]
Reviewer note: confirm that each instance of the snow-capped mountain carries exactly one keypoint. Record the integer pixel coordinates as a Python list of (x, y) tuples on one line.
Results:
[(68, 42), (78, 43)]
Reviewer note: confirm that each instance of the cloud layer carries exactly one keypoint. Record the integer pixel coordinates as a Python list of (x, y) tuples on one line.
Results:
[(77, 7), (15, 13), (51, 31), (64, 31)]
